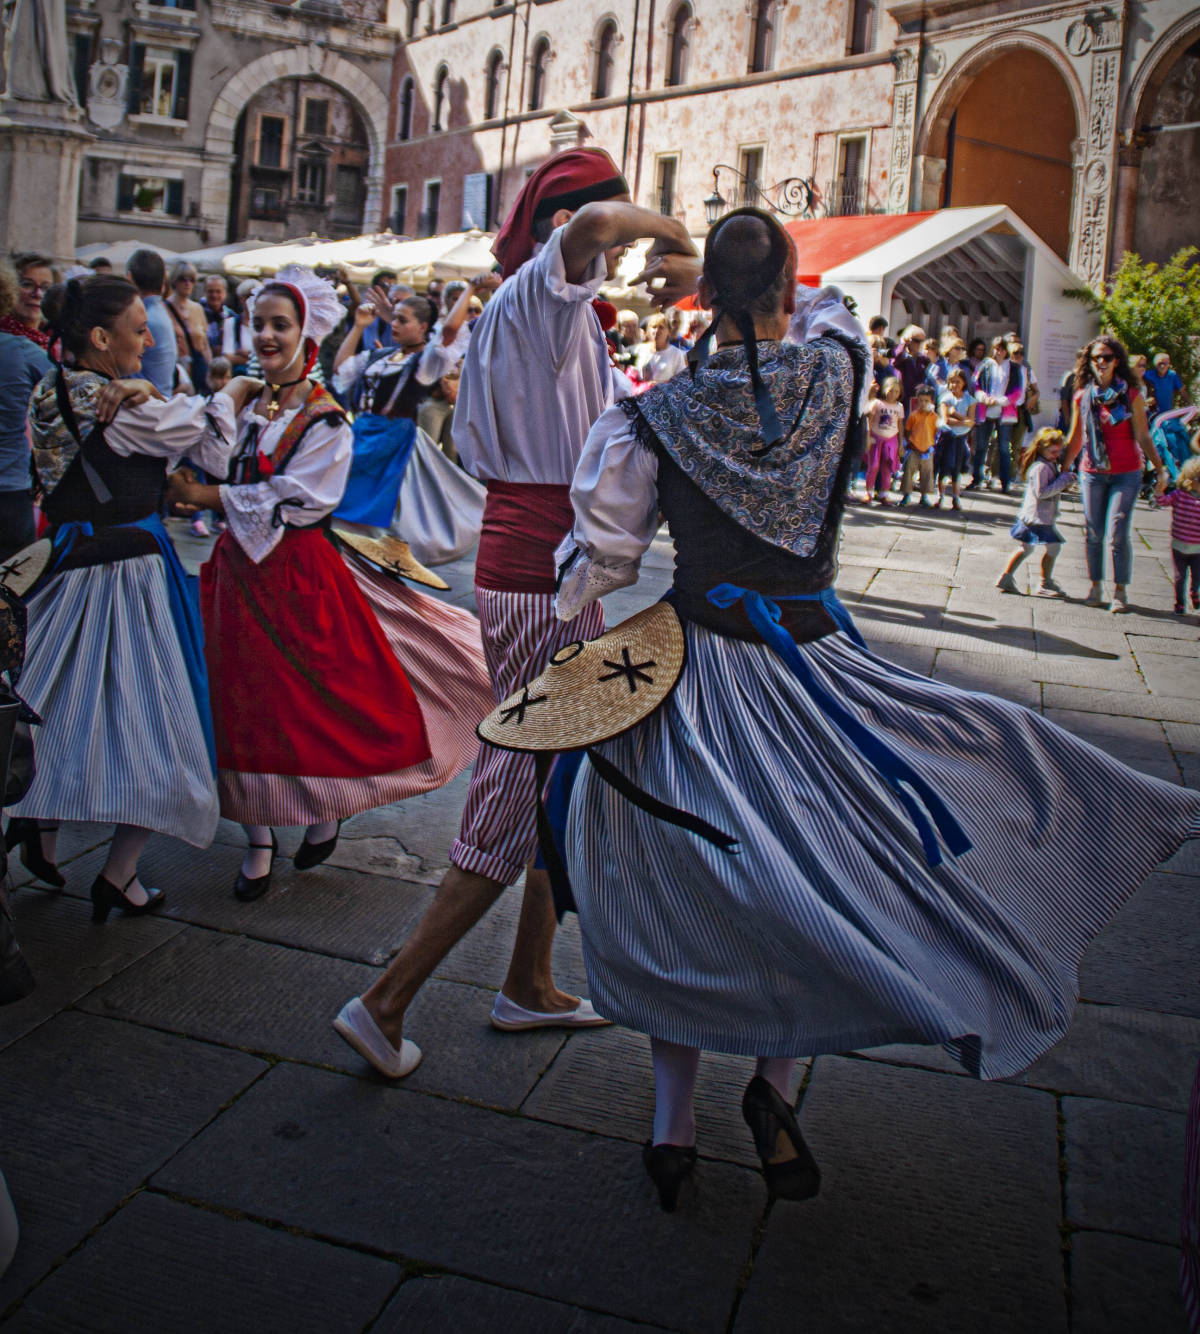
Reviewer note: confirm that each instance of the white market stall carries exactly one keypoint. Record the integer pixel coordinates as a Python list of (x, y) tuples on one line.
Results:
[(117, 253), (453, 255), (980, 268)]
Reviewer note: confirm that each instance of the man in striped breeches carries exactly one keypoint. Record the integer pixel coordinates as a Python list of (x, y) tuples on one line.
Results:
[(535, 377)]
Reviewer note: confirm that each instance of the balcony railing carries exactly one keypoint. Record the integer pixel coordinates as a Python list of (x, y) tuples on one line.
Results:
[(845, 198), (427, 221)]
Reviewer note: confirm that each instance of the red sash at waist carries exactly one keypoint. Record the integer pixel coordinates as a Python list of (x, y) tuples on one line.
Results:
[(523, 522)]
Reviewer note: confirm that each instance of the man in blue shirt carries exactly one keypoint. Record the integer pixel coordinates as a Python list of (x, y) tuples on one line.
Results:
[(147, 272), (1164, 383)]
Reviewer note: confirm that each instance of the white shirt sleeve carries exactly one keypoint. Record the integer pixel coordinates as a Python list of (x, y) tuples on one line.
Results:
[(203, 428), (615, 497), (551, 271), (437, 359), (227, 336), (350, 370), (310, 489)]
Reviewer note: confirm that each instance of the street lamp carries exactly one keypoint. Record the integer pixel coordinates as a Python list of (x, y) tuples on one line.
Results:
[(714, 205)]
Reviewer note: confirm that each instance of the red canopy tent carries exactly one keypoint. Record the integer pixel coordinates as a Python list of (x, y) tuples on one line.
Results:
[(822, 244)]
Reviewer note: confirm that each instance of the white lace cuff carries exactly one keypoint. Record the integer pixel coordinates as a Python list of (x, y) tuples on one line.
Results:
[(251, 518), (588, 580)]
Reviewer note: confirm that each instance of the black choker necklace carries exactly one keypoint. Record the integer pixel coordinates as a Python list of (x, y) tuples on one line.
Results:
[(276, 389)]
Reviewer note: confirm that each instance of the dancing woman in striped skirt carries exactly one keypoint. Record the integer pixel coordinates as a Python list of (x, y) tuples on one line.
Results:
[(115, 663), (315, 717), (861, 907)]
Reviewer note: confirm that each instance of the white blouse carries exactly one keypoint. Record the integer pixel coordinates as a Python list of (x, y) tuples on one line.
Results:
[(615, 497), (200, 428), (436, 360), (310, 488)]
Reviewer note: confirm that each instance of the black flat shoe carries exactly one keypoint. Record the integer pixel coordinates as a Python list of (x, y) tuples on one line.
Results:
[(309, 854), (248, 888), (668, 1166), (766, 1114), (28, 833), (106, 896)]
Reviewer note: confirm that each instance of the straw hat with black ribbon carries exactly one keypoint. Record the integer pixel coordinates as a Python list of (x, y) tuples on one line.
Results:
[(23, 569), (591, 691), (389, 553)]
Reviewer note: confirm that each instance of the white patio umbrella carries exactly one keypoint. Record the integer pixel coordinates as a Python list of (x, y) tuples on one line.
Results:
[(118, 252), (453, 255), (270, 259), (210, 258)]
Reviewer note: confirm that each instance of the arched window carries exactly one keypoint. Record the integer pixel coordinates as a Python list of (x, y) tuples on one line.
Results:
[(441, 79), (677, 44), (537, 73), (606, 43), (405, 109), (491, 85), (762, 36)]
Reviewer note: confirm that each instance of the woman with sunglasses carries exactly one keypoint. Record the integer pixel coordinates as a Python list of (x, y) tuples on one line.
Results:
[(1109, 427)]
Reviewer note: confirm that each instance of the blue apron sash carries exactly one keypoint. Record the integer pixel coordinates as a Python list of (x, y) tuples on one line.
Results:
[(764, 614)]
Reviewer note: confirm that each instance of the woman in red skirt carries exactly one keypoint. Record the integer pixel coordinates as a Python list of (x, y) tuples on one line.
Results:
[(335, 688)]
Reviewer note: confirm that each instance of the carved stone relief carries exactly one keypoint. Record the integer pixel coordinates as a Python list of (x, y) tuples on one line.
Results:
[(1090, 251), (904, 106)]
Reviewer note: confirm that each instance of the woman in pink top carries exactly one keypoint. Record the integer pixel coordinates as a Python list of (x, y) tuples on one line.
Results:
[(1110, 428)]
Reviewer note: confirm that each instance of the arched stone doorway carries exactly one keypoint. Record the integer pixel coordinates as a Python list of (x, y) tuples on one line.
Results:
[(1167, 213), (1002, 130), (307, 62)]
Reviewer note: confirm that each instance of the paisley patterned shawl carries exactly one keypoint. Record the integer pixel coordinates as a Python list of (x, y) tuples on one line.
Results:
[(54, 447), (709, 425)]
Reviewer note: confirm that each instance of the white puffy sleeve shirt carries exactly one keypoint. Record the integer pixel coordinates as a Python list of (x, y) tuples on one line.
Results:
[(615, 498), (202, 429), (310, 488)]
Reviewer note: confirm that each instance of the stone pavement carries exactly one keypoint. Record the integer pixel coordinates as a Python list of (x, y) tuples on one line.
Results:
[(191, 1148)]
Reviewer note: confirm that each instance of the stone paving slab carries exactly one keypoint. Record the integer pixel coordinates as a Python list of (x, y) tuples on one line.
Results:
[(1120, 1285), (946, 1193), (1147, 955), (1124, 1168), (193, 1270), (969, 671), (69, 955), (1168, 708), (1184, 648), (1170, 674), (551, 1211), (335, 911), (440, 1303), (1125, 1055), (1059, 670), (91, 1108), (603, 1081), (1184, 736)]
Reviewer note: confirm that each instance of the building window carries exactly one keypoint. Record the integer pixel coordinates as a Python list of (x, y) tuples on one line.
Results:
[(266, 201), (310, 181), (666, 174), (447, 12), (149, 194), (606, 43), (538, 63), (477, 201), (316, 116), (348, 196), (678, 40), (847, 198), (271, 133), (399, 217), (159, 82), (750, 164), (862, 27), (414, 14), (404, 116), (81, 50), (175, 4), (440, 82), (762, 37), (427, 223), (491, 85)]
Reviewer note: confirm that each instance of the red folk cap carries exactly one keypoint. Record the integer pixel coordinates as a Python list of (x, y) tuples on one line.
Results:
[(568, 180)]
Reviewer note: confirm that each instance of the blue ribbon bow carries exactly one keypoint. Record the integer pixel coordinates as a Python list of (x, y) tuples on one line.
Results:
[(765, 614)]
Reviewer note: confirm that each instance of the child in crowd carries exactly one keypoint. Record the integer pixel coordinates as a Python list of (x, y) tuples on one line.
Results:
[(1044, 484), (1184, 503), (956, 406), (920, 430), (884, 418), (220, 372)]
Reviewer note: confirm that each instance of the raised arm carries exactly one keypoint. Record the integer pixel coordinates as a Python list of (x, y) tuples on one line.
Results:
[(598, 227)]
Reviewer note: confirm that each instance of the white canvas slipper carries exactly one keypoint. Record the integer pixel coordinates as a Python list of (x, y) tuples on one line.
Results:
[(511, 1018), (355, 1026)]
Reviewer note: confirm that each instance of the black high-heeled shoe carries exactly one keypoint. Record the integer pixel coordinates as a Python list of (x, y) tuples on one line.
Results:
[(309, 854), (766, 1113), (28, 833), (106, 896), (248, 888), (668, 1166)]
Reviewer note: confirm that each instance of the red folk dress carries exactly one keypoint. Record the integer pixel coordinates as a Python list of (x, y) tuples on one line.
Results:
[(334, 687)]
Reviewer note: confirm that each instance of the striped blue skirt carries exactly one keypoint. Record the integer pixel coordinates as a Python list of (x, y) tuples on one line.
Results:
[(121, 740), (828, 931)]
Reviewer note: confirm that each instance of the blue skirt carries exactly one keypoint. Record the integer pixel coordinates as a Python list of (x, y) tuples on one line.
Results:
[(828, 930), (1038, 533)]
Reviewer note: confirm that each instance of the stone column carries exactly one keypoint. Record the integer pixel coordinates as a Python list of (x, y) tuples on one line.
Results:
[(1129, 169), (1089, 251), (904, 115)]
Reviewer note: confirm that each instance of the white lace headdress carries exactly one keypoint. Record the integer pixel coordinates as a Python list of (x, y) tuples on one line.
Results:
[(321, 311)]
